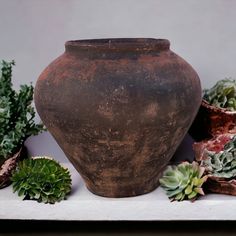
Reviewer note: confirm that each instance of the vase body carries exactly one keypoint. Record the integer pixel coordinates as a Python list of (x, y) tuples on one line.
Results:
[(118, 108)]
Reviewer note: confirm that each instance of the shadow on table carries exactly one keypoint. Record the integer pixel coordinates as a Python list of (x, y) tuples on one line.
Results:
[(184, 152)]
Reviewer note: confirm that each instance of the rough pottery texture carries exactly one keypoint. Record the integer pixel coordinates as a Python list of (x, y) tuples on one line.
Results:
[(211, 121), (118, 108)]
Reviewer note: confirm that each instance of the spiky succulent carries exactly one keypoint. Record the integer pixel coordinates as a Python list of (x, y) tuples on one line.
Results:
[(223, 163), (222, 94), (41, 179), (184, 181)]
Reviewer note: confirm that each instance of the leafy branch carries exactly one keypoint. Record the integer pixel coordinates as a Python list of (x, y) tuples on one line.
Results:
[(16, 113)]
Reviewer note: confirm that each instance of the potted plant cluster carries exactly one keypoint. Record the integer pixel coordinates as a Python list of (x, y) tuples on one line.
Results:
[(214, 130), (217, 113), (16, 122)]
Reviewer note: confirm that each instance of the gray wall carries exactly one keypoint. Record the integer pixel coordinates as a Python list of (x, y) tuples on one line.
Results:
[(33, 33)]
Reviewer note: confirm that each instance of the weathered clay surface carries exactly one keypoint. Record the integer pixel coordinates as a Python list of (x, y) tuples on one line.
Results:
[(221, 185), (118, 108), (9, 166), (211, 121)]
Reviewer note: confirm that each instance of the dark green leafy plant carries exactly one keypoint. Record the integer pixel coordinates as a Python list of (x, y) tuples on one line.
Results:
[(222, 94), (223, 163), (184, 181), (16, 113), (41, 179)]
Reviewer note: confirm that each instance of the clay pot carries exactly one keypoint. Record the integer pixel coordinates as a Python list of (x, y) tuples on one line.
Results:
[(9, 165), (221, 185), (212, 121), (118, 108), (215, 184)]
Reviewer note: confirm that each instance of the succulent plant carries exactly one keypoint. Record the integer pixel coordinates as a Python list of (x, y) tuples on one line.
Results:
[(41, 179), (222, 94), (183, 181), (16, 113), (16, 121), (222, 163)]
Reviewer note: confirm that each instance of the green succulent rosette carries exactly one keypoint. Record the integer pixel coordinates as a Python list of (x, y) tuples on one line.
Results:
[(221, 164), (42, 179), (184, 181), (222, 94)]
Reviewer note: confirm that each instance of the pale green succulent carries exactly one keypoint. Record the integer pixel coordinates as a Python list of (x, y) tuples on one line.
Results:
[(183, 181), (222, 94), (223, 163), (41, 179)]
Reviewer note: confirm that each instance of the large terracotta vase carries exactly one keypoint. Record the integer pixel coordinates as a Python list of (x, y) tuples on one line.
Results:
[(118, 108)]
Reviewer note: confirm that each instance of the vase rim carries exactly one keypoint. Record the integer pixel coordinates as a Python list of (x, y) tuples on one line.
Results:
[(113, 44)]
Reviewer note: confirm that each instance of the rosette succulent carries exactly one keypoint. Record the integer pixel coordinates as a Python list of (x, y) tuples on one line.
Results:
[(41, 179), (222, 163), (222, 94), (184, 181)]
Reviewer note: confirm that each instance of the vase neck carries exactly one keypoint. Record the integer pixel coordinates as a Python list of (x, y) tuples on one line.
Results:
[(117, 46)]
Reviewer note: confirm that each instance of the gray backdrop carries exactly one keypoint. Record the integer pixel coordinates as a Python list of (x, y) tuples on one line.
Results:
[(33, 32)]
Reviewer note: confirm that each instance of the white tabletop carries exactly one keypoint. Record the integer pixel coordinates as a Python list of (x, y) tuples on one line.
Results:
[(84, 205)]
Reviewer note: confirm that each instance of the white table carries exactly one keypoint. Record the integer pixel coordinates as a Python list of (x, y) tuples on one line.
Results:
[(82, 205)]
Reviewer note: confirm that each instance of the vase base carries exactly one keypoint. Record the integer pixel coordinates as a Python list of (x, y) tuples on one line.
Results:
[(132, 190)]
